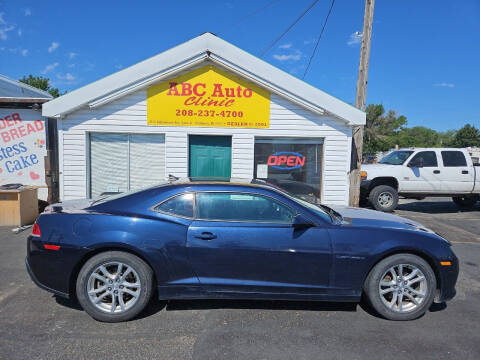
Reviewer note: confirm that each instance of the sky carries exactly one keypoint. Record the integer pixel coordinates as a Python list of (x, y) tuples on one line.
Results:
[(424, 60)]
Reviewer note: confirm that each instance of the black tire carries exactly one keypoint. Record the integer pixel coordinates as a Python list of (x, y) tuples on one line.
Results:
[(363, 202), (465, 201), (378, 193), (372, 283), (145, 278)]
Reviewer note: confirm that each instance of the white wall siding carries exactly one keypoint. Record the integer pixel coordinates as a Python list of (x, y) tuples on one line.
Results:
[(129, 114)]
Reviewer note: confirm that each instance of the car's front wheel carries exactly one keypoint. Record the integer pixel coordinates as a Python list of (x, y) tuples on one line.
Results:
[(114, 286), (401, 287)]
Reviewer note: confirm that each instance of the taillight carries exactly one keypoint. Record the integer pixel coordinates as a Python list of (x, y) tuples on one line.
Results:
[(36, 230)]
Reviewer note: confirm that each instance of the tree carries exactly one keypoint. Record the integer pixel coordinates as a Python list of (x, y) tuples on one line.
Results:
[(446, 138), (418, 136), (467, 136), (381, 128), (41, 83)]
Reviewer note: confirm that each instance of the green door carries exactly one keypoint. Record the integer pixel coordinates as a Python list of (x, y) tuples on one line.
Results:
[(210, 156)]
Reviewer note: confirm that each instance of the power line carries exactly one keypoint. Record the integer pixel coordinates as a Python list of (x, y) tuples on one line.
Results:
[(255, 12), (318, 40), (267, 49)]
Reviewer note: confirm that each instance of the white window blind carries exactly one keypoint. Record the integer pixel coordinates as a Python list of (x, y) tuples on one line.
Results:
[(122, 162), (147, 160), (108, 163)]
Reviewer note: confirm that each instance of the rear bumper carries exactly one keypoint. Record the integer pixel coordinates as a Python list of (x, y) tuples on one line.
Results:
[(52, 270), (42, 286)]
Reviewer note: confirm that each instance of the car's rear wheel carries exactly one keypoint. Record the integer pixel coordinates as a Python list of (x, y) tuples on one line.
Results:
[(401, 287), (114, 286)]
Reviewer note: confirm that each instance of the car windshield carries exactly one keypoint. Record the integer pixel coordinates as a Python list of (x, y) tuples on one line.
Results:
[(396, 157), (321, 210)]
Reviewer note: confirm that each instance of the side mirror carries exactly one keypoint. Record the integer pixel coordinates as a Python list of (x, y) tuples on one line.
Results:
[(301, 222), (418, 163)]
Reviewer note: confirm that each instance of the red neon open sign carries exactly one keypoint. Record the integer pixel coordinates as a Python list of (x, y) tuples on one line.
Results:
[(286, 160)]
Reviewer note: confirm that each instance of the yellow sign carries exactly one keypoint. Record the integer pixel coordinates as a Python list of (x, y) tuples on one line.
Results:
[(208, 97)]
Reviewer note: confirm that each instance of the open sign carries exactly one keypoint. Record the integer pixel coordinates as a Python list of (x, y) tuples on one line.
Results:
[(286, 160)]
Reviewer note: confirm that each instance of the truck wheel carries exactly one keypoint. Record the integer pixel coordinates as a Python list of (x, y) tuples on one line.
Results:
[(465, 201), (384, 198)]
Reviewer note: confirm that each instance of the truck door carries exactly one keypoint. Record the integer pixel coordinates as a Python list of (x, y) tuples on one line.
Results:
[(457, 174), (423, 174)]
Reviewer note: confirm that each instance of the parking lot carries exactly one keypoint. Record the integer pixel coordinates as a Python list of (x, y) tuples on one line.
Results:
[(36, 325)]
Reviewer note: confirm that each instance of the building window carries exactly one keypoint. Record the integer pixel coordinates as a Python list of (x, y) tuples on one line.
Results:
[(122, 162), (294, 164)]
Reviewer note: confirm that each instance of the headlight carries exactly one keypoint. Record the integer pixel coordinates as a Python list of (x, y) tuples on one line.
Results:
[(363, 175)]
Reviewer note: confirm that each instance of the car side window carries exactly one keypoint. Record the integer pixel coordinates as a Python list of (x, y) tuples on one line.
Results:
[(429, 158), (180, 205), (453, 158), (241, 207)]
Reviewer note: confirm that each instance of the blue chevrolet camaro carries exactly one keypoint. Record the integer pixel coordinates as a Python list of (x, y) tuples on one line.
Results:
[(193, 239)]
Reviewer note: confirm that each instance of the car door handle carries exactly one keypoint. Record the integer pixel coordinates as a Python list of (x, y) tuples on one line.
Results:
[(464, 171), (206, 236), (436, 171)]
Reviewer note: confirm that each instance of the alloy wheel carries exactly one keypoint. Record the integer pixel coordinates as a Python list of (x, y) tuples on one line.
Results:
[(403, 288), (113, 287)]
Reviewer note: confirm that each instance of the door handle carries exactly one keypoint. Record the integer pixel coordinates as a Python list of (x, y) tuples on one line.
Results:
[(206, 236), (436, 171), (464, 171)]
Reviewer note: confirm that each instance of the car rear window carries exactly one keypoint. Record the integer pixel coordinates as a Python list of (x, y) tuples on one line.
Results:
[(180, 205), (453, 158)]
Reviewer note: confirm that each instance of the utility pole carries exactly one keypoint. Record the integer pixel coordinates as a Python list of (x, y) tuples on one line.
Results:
[(360, 102)]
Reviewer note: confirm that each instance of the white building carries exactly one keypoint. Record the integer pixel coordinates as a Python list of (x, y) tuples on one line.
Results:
[(203, 108)]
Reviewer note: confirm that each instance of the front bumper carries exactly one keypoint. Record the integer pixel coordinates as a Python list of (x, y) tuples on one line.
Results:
[(364, 188), (448, 276)]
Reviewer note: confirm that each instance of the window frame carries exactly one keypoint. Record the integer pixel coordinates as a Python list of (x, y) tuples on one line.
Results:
[(154, 207), (425, 151), (456, 166), (294, 211)]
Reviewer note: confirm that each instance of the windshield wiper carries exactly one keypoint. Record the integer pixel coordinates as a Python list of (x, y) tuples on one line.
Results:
[(331, 212)]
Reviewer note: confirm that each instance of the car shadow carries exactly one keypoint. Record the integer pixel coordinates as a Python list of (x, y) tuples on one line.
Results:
[(70, 303), (431, 207), (155, 306), (436, 207), (178, 305)]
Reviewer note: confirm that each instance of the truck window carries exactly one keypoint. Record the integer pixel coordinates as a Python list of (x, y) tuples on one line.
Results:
[(453, 158), (396, 157), (429, 158)]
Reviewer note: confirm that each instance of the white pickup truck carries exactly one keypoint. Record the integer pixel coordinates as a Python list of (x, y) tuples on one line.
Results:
[(420, 172)]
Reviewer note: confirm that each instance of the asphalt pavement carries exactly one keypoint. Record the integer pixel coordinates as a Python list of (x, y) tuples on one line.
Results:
[(36, 325)]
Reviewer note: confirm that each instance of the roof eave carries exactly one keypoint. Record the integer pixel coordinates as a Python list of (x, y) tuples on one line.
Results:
[(190, 53)]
